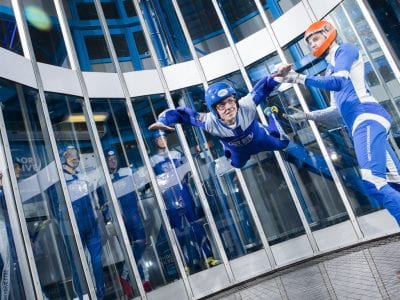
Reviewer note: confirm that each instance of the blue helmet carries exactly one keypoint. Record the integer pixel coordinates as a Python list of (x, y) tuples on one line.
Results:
[(110, 152), (216, 92), (158, 133)]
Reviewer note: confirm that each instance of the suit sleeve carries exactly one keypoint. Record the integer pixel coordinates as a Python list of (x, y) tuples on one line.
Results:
[(263, 88), (182, 115), (344, 59)]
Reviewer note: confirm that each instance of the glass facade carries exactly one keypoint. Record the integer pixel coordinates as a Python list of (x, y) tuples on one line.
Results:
[(95, 205)]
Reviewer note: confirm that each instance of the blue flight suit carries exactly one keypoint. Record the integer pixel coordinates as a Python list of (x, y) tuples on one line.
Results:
[(180, 205), (126, 194), (367, 121), (79, 193), (249, 136)]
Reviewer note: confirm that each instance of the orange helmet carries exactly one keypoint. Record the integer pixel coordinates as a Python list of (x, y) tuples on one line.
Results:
[(327, 29)]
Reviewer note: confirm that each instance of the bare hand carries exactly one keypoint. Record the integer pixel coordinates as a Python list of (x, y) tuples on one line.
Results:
[(282, 70), (160, 126)]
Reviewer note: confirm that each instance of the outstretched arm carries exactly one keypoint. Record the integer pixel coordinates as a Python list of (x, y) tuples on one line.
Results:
[(266, 85), (184, 115)]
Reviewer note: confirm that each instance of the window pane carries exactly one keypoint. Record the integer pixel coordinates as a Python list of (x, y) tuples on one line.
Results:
[(203, 25), (88, 36), (46, 36), (9, 38), (242, 17)]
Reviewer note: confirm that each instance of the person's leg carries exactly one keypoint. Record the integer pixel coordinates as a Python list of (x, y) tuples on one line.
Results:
[(370, 147), (197, 226), (93, 243)]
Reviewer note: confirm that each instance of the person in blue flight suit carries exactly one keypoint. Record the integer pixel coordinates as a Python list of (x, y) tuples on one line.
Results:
[(5, 253), (80, 195), (234, 121), (367, 121), (125, 190), (180, 205)]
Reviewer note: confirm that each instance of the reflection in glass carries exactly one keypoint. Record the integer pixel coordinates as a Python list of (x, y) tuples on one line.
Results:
[(89, 41), (224, 192), (9, 38), (174, 178), (45, 32), (242, 18), (136, 197), (41, 195), (203, 25), (90, 197)]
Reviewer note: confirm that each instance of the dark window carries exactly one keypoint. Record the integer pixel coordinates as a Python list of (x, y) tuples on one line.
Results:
[(9, 36), (96, 47), (140, 42), (110, 10), (120, 45), (86, 11), (130, 8)]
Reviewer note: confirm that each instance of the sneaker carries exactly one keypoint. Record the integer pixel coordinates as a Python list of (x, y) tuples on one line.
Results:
[(126, 287), (271, 109), (212, 262), (147, 285)]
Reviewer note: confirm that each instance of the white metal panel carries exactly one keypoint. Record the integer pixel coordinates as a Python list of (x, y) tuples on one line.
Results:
[(322, 8), (219, 63), (292, 24), (255, 47), (378, 224), (209, 281), (181, 75), (292, 250), (174, 290), (250, 265), (60, 80), (103, 85), (335, 236), (146, 82), (16, 68)]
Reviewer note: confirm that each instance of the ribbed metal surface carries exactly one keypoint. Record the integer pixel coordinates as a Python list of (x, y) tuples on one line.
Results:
[(367, 271)]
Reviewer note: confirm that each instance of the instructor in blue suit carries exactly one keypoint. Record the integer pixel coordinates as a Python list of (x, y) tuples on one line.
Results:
[(367, 121)]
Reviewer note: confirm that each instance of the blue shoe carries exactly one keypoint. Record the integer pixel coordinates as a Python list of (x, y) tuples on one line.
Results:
[(270, 109)]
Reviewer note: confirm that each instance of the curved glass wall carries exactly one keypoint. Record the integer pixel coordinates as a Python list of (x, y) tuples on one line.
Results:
[(136, 197), (45, 32), (161, 207), (91, 201), (9, 38), (40, 193)]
